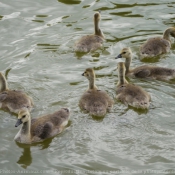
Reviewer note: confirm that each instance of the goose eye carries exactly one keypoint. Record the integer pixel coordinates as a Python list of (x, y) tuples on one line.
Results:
[(123, 52), (23, 116), (67, 110)]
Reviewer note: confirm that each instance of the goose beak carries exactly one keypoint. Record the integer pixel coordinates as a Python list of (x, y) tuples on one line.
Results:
[(67, 109), (82, 74), (18, 122), (119, 56)]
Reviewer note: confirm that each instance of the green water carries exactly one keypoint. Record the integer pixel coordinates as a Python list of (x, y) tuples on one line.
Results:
[(36, 53)]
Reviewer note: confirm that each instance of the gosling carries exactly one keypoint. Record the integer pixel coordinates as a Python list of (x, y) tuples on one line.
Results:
[(13, 100), (94, 101), (158, 45), (91, 42), (145, 71), (130, 94), (39, 129)]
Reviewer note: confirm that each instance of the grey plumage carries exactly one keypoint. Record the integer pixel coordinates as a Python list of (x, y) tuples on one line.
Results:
[(13, 100), (145, 71), (91, 42), (157, 45), (130, 94), (39, 129), (94, 101)]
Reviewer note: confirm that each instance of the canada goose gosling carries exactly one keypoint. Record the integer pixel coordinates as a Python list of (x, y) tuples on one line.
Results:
[(145, 71), (39, 129), (91, 42), (13, 100), (157, 45), (130, 94), (94, 101)]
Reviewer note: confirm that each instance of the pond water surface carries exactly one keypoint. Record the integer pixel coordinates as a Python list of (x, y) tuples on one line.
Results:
[(36, 50)]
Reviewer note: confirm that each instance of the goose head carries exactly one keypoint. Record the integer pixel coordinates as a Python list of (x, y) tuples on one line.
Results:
[(89, 74), (65, 112), (97, 16), (23, 117), (125, 53)]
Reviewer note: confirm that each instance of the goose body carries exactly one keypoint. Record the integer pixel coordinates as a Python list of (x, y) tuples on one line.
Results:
[(91, 42), (94, 101), (39, 129), (157, 45), (130, 94), (145, 71), (13, 100)]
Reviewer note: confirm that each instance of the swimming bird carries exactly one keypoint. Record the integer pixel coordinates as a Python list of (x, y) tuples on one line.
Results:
[(130, 94), (91, 42), (94, 101), (13, 100), (39, 129), (157, 45), (145, 71)]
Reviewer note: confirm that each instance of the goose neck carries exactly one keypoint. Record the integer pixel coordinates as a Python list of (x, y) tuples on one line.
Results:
[(26, 129), (167, 34), (92, 83), (3, 84), (127, 64)]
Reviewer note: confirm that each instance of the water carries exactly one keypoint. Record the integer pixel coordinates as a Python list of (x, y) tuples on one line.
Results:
[(37, 55)]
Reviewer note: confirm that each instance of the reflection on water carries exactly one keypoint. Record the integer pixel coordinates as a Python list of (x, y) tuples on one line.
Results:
[(25, 159)]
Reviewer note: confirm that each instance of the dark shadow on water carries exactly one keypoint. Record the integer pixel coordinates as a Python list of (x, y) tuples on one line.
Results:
[(11, 113), (79, 55), (139, 111), (173, 46), (70, 1), (1, 17), (48, 47), (97, 118), (93, 54), (25, 159), (7, 72), (151, 59)]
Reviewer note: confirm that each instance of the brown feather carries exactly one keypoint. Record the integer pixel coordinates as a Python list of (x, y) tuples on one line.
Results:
[(130, 94), (92, 42), (12, 100), (41, 128), (145, 71), (158, 45), (94, 101)]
